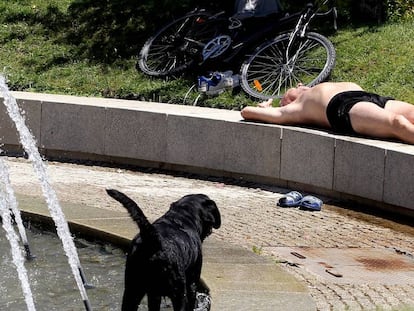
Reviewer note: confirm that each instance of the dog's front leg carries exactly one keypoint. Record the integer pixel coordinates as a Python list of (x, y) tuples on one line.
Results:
[(202, 287), (192, 296)]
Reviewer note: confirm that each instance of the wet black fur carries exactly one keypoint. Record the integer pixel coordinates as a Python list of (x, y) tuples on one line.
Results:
[(165, 258)]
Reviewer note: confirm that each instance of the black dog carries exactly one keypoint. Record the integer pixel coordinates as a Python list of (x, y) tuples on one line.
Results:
[(165, 258)]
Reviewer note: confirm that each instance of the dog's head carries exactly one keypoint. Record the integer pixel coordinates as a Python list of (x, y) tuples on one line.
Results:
[(201, 209)]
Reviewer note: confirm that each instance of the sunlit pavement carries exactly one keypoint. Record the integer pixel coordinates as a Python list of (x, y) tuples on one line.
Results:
[(263, 257)]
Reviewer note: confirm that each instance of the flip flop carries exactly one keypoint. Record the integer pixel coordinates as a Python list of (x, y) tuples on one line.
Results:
[(291, 199), (310, 202)]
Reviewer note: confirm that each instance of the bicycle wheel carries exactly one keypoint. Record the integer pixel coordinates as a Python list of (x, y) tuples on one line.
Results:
[(178, 45), (271, 70)]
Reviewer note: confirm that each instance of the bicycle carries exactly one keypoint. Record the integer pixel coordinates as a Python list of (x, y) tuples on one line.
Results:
[(291, 58), (204, 40), (175, 47)]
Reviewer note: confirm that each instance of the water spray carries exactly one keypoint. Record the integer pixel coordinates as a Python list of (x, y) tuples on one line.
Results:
[(62, 228), (18, 259), (12, 204)]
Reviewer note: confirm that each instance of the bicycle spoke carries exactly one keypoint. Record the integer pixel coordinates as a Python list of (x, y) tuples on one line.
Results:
[(275, 70), (267, 69), (310, 60)]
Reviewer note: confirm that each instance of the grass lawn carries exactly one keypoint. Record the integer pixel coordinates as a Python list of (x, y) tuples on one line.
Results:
[(35, 57)]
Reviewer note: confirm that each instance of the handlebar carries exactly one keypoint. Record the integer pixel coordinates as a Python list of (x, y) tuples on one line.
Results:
[(312, 11), (334, 13)]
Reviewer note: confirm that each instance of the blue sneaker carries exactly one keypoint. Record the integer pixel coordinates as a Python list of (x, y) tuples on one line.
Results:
[(217, 82)]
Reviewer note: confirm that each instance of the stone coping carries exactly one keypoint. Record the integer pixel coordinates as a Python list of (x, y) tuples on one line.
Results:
[(217, 142)]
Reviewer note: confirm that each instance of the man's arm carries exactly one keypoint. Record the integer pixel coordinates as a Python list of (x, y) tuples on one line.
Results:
[(290, 114)]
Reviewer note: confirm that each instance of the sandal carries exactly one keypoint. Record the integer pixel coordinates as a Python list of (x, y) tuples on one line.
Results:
[(291, 199), (310, 202)]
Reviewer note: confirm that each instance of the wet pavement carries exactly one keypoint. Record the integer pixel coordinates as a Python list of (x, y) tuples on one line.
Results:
[(345, 259)]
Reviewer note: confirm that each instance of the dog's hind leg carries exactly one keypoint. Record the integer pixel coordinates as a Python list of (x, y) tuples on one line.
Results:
[(180, 297), (154, 303), (181, 304), (132, 298)]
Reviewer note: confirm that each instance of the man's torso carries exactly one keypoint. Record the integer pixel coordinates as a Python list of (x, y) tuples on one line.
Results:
[(315, 100)]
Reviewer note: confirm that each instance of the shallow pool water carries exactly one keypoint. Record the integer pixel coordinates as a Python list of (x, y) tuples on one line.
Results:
[(52, 282)]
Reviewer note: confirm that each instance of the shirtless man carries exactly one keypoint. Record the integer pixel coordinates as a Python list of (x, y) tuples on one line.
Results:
[(343, 107)]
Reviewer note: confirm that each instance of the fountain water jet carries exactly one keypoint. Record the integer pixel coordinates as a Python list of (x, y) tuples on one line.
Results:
[(18, 259), (13, 206), (62, 228)]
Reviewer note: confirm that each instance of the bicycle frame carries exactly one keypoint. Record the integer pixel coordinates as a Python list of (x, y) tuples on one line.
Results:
[(271, 30), (296, 56), (302, 27), (243, 40), (212, 42)]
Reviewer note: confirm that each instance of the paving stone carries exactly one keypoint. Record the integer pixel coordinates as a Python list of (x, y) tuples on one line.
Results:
[(250, 220)]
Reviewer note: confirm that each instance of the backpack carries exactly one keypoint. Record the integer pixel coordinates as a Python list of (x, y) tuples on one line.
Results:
[(256, 8)]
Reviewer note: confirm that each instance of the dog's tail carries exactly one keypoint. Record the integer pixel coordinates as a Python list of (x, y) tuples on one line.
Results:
[(134, 211)]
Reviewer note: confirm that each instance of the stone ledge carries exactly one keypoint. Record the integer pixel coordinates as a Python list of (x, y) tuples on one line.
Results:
[(216, 141)]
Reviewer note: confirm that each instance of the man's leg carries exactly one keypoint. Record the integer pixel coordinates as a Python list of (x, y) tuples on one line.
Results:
[(400, 107), (371, 120)]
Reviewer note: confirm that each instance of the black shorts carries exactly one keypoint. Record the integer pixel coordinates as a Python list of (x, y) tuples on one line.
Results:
[(338, 108)]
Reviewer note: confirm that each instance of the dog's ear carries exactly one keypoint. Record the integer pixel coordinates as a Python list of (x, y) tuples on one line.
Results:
[(211, 213)]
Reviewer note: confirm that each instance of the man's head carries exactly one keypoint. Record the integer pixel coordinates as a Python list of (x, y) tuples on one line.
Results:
[(292, 94)]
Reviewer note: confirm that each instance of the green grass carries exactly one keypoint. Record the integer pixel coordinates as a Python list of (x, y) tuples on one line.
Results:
[(379, 59), (36, 56)]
